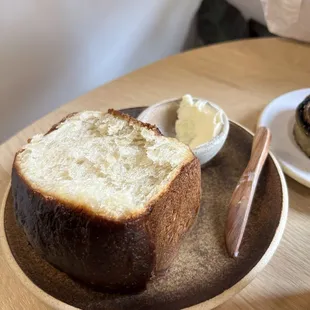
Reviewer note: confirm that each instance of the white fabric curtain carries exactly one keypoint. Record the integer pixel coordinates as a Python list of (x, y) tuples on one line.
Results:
[(288, 18)]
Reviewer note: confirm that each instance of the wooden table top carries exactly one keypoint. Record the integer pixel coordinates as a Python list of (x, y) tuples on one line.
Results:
[(242, 77)]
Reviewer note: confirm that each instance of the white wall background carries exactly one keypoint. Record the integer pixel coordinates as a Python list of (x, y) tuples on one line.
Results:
[(53, 51)]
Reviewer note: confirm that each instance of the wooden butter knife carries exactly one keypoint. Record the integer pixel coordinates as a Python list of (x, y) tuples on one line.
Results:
[(242, 197)]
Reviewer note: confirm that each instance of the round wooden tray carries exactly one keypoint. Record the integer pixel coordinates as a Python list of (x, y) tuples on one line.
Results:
[(203, 275)]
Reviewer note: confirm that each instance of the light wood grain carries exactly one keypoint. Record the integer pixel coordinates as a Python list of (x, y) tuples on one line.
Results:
[(242, 77), (242, 197)]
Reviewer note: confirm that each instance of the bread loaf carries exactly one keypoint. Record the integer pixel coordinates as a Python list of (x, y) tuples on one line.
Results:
[(106, 198)]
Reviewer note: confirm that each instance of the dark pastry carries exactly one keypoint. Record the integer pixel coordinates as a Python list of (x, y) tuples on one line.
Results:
[(302, 125)]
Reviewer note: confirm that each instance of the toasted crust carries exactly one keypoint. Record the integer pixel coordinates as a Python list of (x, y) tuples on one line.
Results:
[(115, 113), (132, 120), (80, 243), (109, 253)]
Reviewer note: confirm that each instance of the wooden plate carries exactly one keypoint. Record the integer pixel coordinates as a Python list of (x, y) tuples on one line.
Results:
[(203, 275)]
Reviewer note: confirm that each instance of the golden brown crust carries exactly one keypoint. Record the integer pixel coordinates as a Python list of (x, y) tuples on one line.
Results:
[(174, 212), (134, 121), (90, 248), (61, 121), (54, 126), (113, 112), (116, 254)]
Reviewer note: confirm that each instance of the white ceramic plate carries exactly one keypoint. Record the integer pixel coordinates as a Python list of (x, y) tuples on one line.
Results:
[(279, 117)]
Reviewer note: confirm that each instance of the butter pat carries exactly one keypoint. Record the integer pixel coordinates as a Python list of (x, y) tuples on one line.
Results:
[(198, 121)]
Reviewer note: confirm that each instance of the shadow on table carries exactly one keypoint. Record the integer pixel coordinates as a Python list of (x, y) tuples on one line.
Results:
[(289, 302)]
